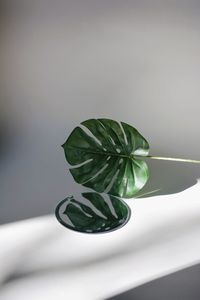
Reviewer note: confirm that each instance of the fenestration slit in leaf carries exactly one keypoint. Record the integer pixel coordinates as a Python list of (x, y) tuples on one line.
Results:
[(89, 133)]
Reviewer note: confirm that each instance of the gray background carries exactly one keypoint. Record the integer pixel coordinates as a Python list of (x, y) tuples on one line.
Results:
[(66, 61)]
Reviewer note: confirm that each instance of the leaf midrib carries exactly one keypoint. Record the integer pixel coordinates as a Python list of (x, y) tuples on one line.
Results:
[(131, 156)]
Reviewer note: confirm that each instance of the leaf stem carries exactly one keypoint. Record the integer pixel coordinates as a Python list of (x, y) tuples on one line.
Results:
[(174, 159), (147, 193)]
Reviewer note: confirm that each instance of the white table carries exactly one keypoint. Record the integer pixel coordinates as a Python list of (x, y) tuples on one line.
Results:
[(40, 259)]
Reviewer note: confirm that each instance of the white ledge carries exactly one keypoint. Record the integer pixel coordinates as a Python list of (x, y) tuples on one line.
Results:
[(40, 259)]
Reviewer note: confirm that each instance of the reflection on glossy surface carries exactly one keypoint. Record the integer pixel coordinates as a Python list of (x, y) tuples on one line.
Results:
[(92, 213)]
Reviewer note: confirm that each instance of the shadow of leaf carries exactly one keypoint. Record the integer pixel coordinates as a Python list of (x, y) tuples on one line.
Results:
[(167, 177)]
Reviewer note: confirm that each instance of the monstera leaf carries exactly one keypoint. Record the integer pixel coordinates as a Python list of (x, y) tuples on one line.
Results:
[(95, 215), (107, 157)]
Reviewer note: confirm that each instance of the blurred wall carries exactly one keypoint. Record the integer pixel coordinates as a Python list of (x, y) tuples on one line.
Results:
[(65, 61)]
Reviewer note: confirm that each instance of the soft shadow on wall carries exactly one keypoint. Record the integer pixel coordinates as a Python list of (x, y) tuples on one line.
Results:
[(169, 177)]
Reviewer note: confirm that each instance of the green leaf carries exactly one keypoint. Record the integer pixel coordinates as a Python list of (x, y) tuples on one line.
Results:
[(93, 213), (107, 157)]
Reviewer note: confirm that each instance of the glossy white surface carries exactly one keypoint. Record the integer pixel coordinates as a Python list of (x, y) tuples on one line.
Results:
[(40, 259)]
